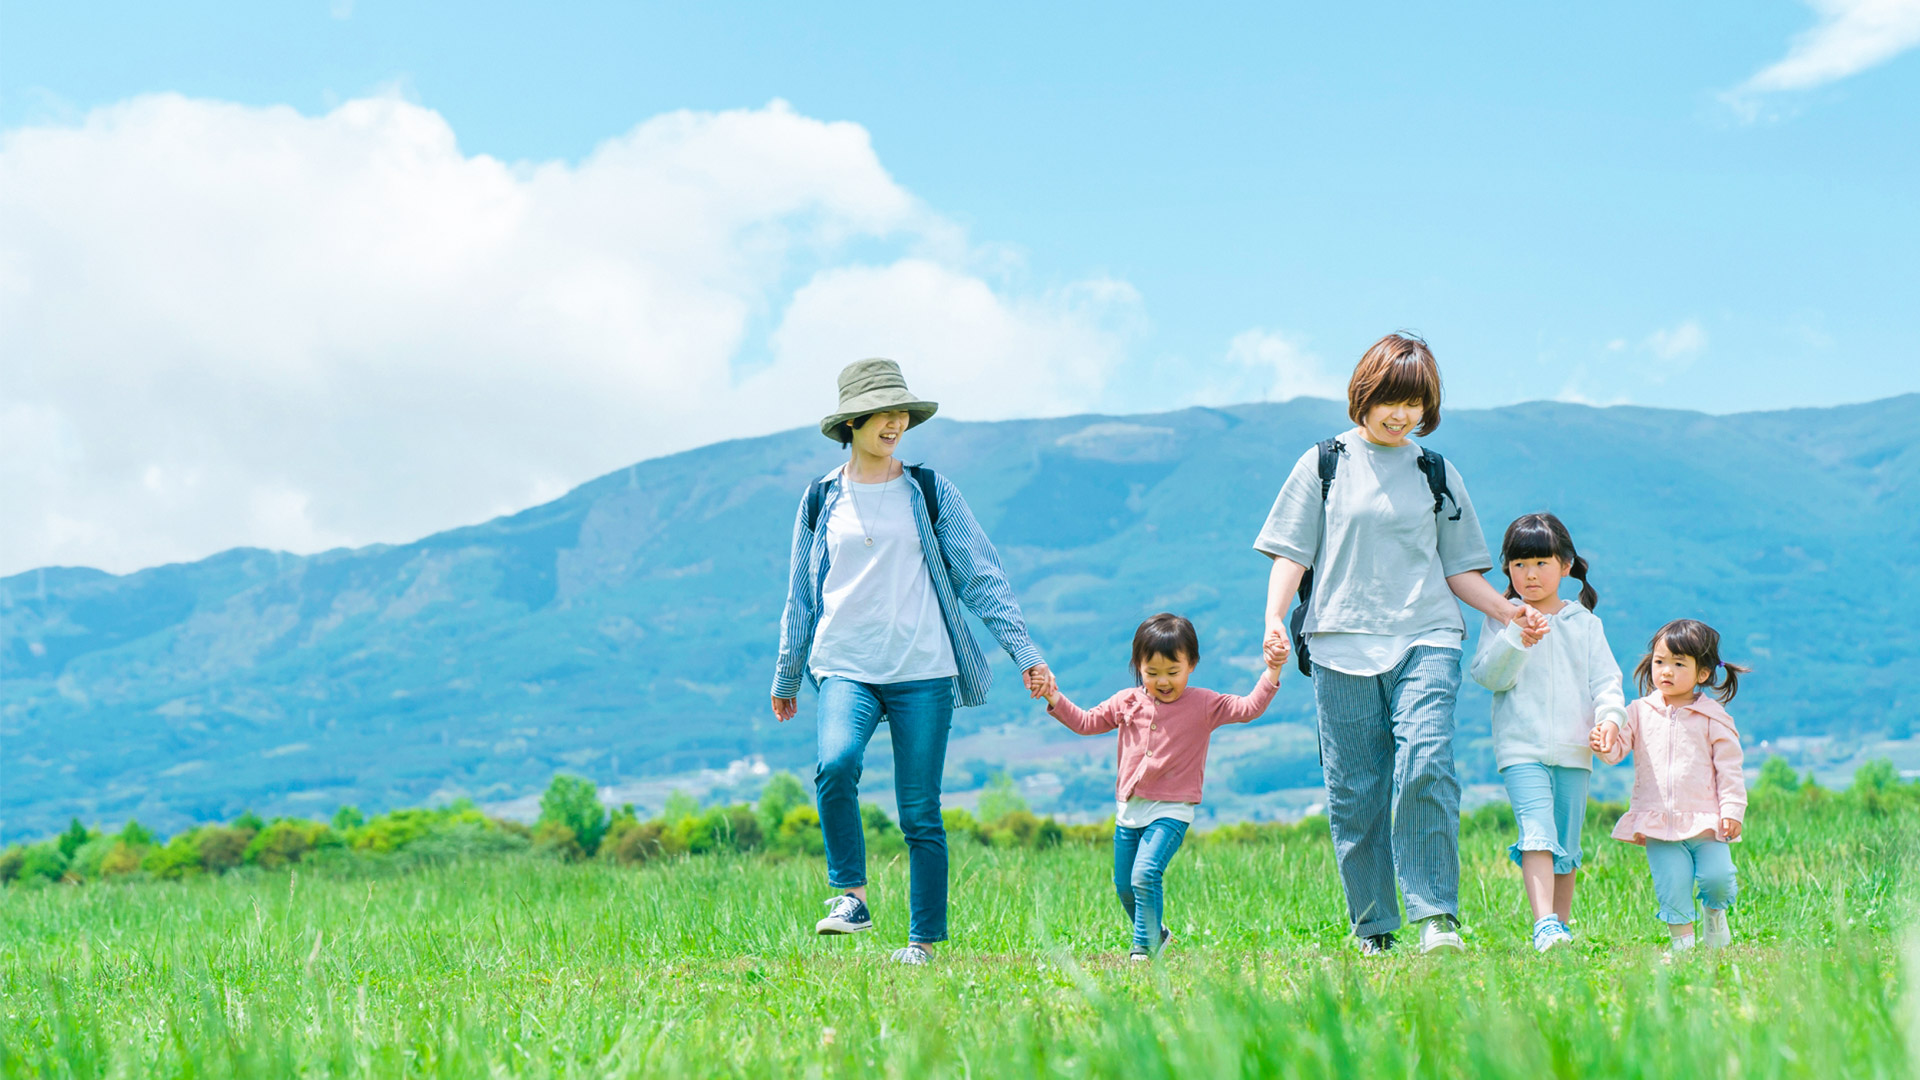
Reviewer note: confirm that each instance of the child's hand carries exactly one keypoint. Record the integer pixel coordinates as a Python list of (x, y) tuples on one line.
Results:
[(1040, 683), (1730, 828), (1533, 626), (1600, 739), (1277, 649)]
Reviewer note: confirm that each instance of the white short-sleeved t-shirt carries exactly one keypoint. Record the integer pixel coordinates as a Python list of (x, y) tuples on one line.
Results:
[(880, 619), (1380, 555)]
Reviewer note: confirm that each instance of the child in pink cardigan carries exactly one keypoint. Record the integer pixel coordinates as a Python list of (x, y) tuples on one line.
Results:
[(1164, 729), (1689, 798)]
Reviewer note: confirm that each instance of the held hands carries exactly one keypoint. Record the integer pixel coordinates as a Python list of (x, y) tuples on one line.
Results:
[(1040, 683), (1533, 626), (784, 708), (1601, 738), (1729, 829), (1277, 648)]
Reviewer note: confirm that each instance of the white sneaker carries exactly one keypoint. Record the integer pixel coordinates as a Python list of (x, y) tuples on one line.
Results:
[(1550, 931), (1438, 934), (1678, 945), (1715, 933)]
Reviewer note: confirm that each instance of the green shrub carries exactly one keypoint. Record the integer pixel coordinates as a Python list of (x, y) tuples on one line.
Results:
[(574, 802), (800, 832), (557, 840), (348, 818), (635, 843), (1776, 775), (135, 835), (11, 860), (961, 825), (122, 859), (73, 838), (180, 857), (223, 848), (43, 862), (282, 843), (782, 793)]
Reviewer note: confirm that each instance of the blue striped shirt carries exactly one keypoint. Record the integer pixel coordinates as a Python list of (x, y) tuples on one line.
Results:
[(968, 573)]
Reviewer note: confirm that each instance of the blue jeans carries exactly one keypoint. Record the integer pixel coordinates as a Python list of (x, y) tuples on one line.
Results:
[(918, 715), (1677, 864), (1386, 746), (1140, 858), (1550, 805)]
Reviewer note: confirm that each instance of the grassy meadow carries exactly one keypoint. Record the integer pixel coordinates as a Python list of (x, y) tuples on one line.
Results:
[(707, 966)]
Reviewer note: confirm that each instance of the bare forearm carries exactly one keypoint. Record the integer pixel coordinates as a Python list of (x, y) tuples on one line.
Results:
[(1282, 583), (1474, 591)]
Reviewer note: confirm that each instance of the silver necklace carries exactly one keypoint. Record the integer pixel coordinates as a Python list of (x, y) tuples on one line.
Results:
[(854, 494)]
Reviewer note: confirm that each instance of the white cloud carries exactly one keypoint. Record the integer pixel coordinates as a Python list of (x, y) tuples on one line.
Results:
[(1851, 36), (227, 325), (1262, 365), (1680, 343)]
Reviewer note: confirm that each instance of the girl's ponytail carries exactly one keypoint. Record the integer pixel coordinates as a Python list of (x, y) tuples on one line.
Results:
[(1589, 599)]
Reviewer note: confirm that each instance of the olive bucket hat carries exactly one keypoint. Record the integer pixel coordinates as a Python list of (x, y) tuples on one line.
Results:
[(871, 386)]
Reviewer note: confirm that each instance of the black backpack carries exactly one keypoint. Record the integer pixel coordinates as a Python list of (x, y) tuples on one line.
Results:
[(817, 494), (1430, 463)]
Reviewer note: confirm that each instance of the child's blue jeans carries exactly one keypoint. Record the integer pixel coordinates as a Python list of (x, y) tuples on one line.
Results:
[(1677, 864), (1140, 858)]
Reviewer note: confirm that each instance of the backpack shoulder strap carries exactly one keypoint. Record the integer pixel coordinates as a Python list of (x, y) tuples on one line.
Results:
[(1330, 451), (929, 491), (1435, 467), (816, 495)]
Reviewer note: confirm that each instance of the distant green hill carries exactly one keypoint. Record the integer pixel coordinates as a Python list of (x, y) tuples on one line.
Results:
[(628, 628)]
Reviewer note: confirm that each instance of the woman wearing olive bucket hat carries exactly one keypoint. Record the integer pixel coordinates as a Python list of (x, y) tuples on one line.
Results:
[(887, 560)]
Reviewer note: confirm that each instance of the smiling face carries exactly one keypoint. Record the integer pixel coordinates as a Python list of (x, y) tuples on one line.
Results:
[(1537, 580), (879, 434), (1677, 677), (1165, 677), (1390, 424)]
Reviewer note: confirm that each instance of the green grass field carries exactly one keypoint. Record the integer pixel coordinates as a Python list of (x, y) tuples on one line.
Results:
[(707, 966)]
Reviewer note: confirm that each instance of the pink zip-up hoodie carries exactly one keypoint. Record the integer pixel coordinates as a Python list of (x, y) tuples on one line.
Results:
[(1163, 746), (1686, 770)]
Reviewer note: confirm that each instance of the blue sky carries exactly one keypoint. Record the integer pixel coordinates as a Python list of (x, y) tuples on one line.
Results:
[(1633, 202)]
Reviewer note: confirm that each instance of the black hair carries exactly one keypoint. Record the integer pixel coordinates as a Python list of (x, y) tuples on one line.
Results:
[(1168, 635), (1542, 536), (1691, 637)]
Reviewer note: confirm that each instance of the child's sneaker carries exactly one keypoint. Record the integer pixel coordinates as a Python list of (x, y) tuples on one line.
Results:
[(1439, 933), (1715, 933), (912, 955), (1376, 945), (1678, 945), (1550, 931), (846, 914), (1140, 956)]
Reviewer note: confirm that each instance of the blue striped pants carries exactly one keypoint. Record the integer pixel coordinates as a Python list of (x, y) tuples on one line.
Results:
[(1386, 745)]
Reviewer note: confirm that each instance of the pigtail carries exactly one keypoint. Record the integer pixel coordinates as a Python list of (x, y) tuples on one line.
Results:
[(1726, 682), (1588, 598), (1643, 671)]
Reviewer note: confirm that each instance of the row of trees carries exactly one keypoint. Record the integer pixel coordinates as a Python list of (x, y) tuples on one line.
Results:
[(574, 825)]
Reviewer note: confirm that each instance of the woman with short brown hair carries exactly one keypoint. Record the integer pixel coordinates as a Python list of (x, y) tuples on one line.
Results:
[(1392, 543)]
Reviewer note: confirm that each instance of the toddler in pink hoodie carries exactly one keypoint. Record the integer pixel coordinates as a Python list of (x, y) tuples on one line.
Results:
[(1165, 727), (1689, 798)]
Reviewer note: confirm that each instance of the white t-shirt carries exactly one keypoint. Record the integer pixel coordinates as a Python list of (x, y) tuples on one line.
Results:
[(880, 619), (1139, 813)]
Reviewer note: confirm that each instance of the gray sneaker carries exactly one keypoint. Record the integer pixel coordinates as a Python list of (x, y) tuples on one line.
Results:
[(912, 954), (1714, 931)]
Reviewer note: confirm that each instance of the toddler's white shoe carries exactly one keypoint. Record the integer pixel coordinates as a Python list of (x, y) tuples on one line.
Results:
[(1678, 945), (1550, 931), (1715, 933)]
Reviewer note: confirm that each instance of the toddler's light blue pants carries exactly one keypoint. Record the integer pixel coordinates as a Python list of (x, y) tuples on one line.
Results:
[(1677, 864)]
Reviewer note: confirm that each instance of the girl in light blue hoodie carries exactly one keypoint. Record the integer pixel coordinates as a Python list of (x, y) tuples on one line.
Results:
[(1549, 690)]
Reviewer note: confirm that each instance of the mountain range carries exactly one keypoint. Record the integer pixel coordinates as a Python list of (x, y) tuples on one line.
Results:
[(626, 631)]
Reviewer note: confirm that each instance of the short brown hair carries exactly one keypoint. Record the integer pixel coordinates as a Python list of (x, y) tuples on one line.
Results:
[(1399, 367), (1168, 635)]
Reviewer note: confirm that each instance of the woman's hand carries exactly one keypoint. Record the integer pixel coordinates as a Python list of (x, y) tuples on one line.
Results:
[(1730, 828), (1040, 682), (784, 708), (1277, 648)]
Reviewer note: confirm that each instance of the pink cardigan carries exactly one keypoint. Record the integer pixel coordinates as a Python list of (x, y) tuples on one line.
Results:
[(1163, 746), (1686, 770)]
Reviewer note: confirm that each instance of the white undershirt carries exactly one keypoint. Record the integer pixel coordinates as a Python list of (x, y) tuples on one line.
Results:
[(1138, 813), (880, 620)]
